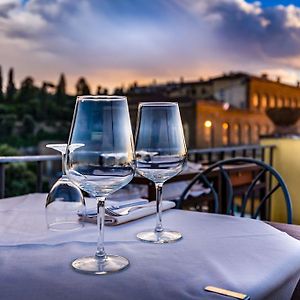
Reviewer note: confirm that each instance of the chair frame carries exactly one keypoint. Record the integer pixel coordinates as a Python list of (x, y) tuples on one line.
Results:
[(265, 168)]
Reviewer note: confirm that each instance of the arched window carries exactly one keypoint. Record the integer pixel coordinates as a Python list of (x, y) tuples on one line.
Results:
[(263, 130), (279, 102), (255, 100), (287, 102), (294, 102), (256, 132), (263, 102), (208, 133), (247, 134), (236, 134), (225, 134), (272, 101)]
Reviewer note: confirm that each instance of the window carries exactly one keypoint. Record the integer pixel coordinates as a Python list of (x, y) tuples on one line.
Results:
[(272, 101), (247, 134), (225, 134), (263, 130), (279, 102), (255, 100), (263, 102), (255, 136), (208, 133), (294, 102), (287, 102), (236, 136)]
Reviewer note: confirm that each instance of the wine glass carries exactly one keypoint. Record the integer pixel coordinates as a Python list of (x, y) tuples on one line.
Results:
[(160, 154), (64, 201), (102, 165)]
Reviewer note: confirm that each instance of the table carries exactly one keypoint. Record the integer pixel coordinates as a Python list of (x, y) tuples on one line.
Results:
[(235, 253)]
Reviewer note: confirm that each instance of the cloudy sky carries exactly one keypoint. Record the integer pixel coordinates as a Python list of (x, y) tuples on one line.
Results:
[(114, 42)]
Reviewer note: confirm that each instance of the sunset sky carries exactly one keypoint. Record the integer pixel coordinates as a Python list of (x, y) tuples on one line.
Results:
[(114, 42)]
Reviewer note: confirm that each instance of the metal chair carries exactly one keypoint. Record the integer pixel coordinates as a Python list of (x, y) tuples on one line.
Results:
[(263, 183)]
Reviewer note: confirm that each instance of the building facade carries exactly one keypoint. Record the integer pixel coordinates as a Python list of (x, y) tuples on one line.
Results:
[(222, 111)]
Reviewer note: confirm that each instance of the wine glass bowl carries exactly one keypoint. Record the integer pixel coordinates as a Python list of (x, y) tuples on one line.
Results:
[(64, 201), (102, 164), (160, 155)]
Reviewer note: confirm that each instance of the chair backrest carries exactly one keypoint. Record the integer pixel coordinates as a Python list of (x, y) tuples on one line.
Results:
[(264, 177)]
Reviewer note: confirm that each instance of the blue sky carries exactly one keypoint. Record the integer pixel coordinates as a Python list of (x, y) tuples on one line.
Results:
[(114, 42), (276, 2)]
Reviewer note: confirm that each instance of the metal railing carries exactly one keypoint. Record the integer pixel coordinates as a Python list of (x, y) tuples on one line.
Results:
[(205, 156), (39, 159), (212, 155)]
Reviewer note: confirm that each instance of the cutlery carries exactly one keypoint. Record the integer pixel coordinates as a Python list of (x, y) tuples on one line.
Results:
[(123, 212), (228, 293), (93, 212)]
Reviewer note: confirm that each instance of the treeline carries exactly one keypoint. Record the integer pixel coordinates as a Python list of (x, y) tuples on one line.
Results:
[(31, 113)]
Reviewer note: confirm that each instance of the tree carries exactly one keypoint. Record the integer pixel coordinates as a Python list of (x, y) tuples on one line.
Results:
[(27, 90), (28, 125), (11, 89), (60, 93), (99, 90), (19, 178), (82, 88), (1, 85)]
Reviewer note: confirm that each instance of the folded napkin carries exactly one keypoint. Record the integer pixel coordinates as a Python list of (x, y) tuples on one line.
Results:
[(145, 210)]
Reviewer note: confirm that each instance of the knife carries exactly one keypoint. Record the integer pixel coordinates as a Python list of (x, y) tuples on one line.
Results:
[(228, 293), (93, 212)]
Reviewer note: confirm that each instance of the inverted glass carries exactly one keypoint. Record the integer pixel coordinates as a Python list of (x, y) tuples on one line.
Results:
[(64, 201), (160, 155), (100, 160)]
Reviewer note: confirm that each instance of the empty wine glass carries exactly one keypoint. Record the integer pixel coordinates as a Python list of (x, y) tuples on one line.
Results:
[(102, 165), (64, 201), (160, 154)]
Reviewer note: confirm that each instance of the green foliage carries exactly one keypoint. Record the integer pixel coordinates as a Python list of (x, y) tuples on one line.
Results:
[(7, 124), (19, 178), (11, 89)]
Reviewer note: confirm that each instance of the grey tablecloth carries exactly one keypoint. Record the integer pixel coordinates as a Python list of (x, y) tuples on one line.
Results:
[(238, 254)]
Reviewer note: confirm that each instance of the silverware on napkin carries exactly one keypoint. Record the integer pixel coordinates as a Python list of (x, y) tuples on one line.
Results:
[(228, 293), (93, 212)]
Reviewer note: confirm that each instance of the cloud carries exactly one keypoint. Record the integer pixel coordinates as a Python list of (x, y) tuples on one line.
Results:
[(272, 32), (162, 39)]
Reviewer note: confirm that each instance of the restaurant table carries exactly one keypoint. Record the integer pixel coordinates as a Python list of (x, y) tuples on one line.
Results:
[(238, 254)]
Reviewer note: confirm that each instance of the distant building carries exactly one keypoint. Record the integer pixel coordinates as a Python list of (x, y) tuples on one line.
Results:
[(222, 111), (243, 91)]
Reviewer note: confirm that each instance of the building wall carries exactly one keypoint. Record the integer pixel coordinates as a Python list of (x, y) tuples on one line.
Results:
[(239, 126), (266, 93), (233, 91)]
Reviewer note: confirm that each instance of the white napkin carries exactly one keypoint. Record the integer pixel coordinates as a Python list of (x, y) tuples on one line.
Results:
[(144, 211)]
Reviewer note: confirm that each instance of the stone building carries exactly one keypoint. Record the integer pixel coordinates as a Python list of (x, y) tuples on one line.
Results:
[(222, 111)]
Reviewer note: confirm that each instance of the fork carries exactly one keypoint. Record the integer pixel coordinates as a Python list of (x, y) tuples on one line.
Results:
[(123, 212)]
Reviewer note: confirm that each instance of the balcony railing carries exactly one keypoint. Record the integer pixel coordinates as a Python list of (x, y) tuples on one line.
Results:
[(205, 156)]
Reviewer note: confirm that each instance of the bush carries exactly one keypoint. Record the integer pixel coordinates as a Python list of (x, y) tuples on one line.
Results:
[(19, 178)]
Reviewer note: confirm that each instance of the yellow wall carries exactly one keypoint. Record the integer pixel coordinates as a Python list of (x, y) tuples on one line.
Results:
[(287, 163)]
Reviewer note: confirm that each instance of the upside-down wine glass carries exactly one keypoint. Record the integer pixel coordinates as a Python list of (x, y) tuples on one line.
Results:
[(103, 164), (160, 154), (64, 201)]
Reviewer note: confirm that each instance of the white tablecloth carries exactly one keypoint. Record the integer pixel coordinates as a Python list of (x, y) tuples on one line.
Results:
[(239, 254)]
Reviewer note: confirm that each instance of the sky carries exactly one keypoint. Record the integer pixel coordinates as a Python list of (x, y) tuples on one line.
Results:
[(115, 42)]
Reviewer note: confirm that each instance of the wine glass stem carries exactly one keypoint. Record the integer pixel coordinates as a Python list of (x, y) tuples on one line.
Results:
[(100, 253), (63, 169), (158, 188)]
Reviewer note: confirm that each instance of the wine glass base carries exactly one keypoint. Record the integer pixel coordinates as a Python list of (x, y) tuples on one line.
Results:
[(65, 226), (165, 236), (93, 265)]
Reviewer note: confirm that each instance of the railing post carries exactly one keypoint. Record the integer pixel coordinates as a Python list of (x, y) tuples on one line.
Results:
[(39, 181), (2, 181)]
